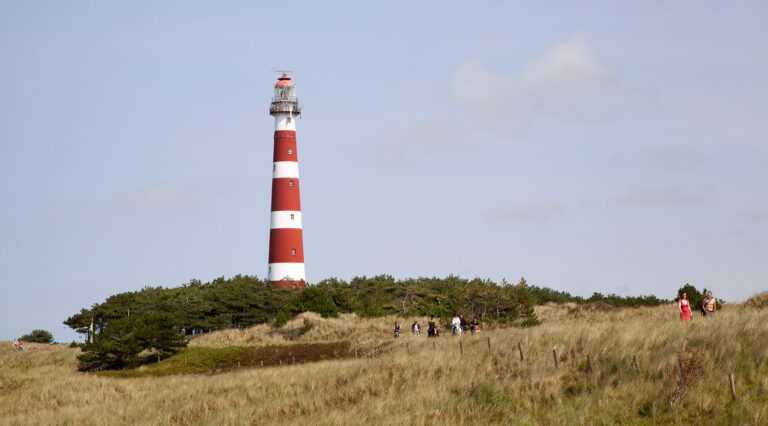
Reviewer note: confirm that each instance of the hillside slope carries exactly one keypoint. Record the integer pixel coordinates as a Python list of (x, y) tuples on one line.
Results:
[(681, 377)]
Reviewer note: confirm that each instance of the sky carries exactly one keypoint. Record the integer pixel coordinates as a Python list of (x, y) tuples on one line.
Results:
[(610, 146)]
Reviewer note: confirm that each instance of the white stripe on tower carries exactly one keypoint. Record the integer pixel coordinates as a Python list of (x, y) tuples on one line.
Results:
[(286, 247), (285, 169)]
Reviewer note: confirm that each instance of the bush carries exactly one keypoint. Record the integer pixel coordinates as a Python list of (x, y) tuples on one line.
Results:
[(38, 336), (121, 342), (758, 301)]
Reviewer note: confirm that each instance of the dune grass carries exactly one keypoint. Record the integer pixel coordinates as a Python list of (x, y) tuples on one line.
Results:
[(681, 376)]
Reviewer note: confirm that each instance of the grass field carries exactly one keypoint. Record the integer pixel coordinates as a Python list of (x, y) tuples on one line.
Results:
[(681, 375)]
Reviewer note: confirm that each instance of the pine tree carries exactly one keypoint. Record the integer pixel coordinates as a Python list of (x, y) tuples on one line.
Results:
[(526, 311)]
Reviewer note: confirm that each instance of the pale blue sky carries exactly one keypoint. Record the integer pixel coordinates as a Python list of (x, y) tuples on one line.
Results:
[(605, 146)]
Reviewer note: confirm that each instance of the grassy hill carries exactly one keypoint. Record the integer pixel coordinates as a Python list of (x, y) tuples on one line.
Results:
[(680, 378)]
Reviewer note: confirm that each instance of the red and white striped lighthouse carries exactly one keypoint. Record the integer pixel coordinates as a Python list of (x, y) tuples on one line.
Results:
[(286, 246)]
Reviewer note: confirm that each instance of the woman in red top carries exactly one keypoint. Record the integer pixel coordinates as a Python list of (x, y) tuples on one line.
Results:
[(685, 308)]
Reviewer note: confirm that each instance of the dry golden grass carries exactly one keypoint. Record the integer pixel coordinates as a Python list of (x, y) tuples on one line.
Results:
[(758, 301), (416, 384)]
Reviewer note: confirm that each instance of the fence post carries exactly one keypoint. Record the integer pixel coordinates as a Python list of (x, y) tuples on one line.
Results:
[(355, 352), (433, 344), (520, 349), (634, 363), (589, 363), (489, 343), (461, 348), (732, 385), (280, 362), (554, 356), (238, 364), (408, 347), (293, 358), (261, 362)]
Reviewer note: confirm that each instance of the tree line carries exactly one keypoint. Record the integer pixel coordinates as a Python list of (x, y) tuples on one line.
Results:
[(159, 319), (245, 300)]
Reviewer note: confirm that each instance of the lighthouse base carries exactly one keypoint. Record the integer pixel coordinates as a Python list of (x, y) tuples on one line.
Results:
[(298, 285)]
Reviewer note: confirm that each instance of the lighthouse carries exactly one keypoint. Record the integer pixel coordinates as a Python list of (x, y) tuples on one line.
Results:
[(286, 246)]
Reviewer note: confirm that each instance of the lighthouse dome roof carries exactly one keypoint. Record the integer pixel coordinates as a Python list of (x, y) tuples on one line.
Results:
[(284, 81)]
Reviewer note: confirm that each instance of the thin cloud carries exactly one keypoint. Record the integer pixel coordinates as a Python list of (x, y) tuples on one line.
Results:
[(569, 70), (527, 212), (158, 196), (658, 196), (758, 216)]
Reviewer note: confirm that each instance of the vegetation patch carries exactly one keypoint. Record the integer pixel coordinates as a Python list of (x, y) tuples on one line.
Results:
[(207, 360), (488, 394), (758, 301)]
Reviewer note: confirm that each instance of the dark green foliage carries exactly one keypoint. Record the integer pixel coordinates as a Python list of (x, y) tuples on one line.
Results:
[(694, 296), (122, 341), (125, 324), (527, 311), (38, 336)]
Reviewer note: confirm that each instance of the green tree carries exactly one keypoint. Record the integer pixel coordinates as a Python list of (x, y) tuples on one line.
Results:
[(38, 336), (122, 341), (526, 311), (694, 296)]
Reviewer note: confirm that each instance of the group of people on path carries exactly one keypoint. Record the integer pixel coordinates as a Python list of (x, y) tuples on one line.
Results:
[(708, 307), (458, 326)]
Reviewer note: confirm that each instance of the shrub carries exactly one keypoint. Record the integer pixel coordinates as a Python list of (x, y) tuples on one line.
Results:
[(758, 301), (120, 343), (38, 336)]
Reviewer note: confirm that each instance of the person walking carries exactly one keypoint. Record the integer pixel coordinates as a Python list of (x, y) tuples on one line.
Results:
[(397, 329), (432, 329), (709, 306), (415, 329), (455, 325), (473, 325), (463, 323), (685, 308)]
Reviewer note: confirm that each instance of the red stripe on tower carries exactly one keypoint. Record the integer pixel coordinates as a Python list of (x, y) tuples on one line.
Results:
[(286, 246)]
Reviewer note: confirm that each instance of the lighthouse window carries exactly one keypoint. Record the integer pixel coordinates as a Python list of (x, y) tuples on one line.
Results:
[(289, 119), (290, 183), (291, 216), (290, 151), (293, 252)]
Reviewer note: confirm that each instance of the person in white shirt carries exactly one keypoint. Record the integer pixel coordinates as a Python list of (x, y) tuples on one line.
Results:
[(456, 325)]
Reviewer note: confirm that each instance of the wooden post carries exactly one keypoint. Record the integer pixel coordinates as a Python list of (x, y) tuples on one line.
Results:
[(261, 363), (214, 366), (733, 386), (408, 347), (293, 358), (433, 344), (461, 347), (238, 364), (554, 356), (280, 362), (634, 363), (589, 363), (520, 349), (489, 343), (355, 352)]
